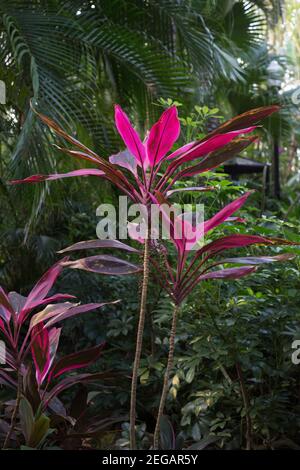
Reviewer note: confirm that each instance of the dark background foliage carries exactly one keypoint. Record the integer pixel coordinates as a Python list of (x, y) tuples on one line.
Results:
[(74, 60)]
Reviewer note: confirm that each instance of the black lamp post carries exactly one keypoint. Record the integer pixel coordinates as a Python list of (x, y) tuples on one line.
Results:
[(275, 73)]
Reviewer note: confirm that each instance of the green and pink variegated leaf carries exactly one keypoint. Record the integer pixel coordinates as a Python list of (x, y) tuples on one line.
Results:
[(226, 212), (249, 118), (130, 136), (49, 312)]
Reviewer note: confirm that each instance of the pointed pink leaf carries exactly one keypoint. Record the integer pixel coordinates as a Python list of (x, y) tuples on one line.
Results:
[(226, 212), (2, 326), (76, 311), (50, 311), (58, 176), (68, 382), (130, 136), (41, 289), (233, 241), (163, 135), (181, 150), (44, 347)]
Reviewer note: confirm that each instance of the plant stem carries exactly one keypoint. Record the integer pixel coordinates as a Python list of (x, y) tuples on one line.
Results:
[(139, 343), (246, 406), (166, 377), (15, 412)]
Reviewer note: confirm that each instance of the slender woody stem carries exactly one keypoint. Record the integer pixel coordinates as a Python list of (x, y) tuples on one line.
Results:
[(246, 402), (139, 343), (16, 410), (165, 389)]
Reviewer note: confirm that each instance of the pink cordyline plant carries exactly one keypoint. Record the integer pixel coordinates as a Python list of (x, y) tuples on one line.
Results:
[(146, 167), (181, 278), (26, 328)]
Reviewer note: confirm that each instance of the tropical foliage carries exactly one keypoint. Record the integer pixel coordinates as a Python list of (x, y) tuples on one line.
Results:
[(193, 345)]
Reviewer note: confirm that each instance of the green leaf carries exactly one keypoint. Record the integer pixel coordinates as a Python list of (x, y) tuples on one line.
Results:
[(26, 419), (40, 431)]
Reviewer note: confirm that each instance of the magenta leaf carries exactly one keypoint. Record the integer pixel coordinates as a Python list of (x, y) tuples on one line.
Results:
[(40, 290), (130, 136), (181, 150), (73, 311), (90, 244), (163, 135), (104, 264), (2, 326), (49, 312), (58, 176), (75, 361), (211, 145), (246, 119), (226, 212), (233, 241)]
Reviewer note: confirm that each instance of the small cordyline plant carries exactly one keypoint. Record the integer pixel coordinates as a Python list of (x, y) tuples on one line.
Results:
[(29, 331), (179, 278), (146, 168)]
